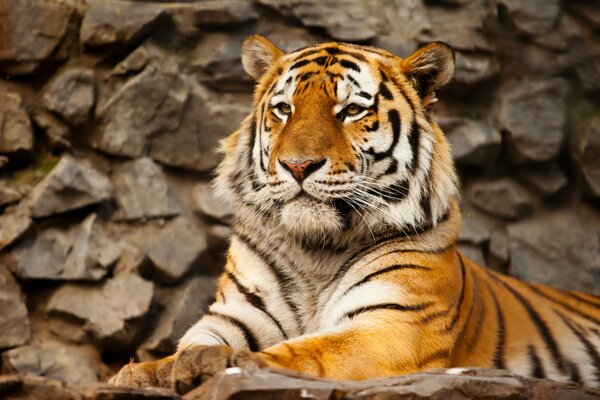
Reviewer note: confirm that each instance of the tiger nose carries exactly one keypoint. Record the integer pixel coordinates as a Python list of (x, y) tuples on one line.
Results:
[(300, 170)]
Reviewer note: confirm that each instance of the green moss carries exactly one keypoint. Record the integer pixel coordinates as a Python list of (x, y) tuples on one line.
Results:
[(36, 172)]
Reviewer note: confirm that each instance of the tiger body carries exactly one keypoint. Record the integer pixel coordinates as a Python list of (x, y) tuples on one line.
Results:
[(343, 263)]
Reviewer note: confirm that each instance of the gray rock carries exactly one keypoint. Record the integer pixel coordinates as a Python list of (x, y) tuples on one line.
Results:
[(216, 12), (533, 17), (72, 95), (503, 198), (112, 22), (68, 364), (476, 227), (587, 153), (207, 202), (475, 143), (31, 34), (546, 178), (112, 312), (79, 252), (141, 191), (183, 306), (588, 10), (14, 320), (72, 184), (173, 248), (473, 253), (474, 67), (8, 194), (534, 114), (56, 131), (402, 20), (589, 74), (499, 250), (16, 134), (135, 62), (150, 102), (559, 249), (13, 225)]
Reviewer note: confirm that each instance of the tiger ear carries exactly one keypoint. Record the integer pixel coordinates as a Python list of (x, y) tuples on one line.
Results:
[(258, 54), (430, 67)]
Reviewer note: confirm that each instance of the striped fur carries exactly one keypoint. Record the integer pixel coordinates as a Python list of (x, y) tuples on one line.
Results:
[(354, 273)]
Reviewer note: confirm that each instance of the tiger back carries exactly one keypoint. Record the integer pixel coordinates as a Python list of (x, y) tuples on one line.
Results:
[(343, 263)]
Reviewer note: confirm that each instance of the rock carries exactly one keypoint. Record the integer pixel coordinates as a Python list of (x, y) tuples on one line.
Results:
[(403, 20), (588, 10), (112, 22), (499, 250), (150, 102), (8, 194), (474, 67), (459, 383), (207, 119), (14, 320), (534, 114), (72, 184), (112, 312), (217, 12), (587, 153), (13, 225), (72, 95), (68, 364), (135, 62), (173, 248), (542, 248), (56, 131), (141, 191), (78, 252), (476, 227), (16, 134), (547, 178), (475, 143), (472, 252), (534, 17), (503, 198), (589, 74), (183, 306), (207, 202), (31, 34), (356, 21)]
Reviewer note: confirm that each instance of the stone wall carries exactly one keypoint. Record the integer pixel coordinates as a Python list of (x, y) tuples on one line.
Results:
[(110, 111)]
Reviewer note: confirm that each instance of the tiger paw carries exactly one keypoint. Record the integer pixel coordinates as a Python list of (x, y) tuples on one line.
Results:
[(196, 364), (146, 374)]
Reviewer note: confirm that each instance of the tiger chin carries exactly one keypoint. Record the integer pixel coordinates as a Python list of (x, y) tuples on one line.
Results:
[(343, 261)]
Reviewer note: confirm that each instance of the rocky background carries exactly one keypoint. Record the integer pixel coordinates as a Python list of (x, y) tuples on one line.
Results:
[(110, 111)]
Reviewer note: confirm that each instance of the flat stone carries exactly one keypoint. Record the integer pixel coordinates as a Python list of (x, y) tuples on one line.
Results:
[(541, 248), (209, 204), (150, 102), (112, 22), (534, 114), (500, 245), (78, 252), (14, 222), (8, 194), (72, 95), (112, 311), (31, 32), (473, 253), (535, 16), (216, 12), (587, 153), (173, 248), (72, 184), (474, 67), (14, 319), (547, 178), (475, 143), (503, 198), (16, 134), (135, 62), (141, 191), (476, 227), (65, 363), (183, 306), (56, 131)]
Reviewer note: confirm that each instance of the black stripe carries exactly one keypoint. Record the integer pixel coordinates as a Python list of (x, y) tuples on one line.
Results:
[(414, 141), (463, 285), (589, 346), (352, 80), (385, 91), (498, 357), (365, 95), (219, 336), (541, 326), (537, 368), (567, 306), (382, 271), (582, 299), (386, 306), (246, 332), (373, 127), (393, 193), (438, 355), (480, 322), (299, 64), (351, 65), (255, 300), (284, 282), (251, 143), (320, 60)]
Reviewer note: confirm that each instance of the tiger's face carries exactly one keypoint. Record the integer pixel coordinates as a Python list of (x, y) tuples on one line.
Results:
[(341, 135)]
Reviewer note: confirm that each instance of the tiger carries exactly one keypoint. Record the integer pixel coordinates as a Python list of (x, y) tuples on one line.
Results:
[(343, 261)]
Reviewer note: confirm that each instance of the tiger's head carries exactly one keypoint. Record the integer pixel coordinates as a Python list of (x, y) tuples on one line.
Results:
[(341, 136)]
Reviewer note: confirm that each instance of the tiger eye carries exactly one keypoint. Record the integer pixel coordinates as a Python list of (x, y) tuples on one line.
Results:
[(284, 108), (353, 109)]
